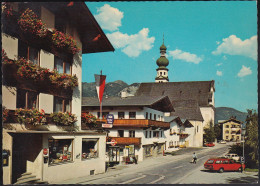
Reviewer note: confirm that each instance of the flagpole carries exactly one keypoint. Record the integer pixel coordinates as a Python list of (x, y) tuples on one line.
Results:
[(100, 101)]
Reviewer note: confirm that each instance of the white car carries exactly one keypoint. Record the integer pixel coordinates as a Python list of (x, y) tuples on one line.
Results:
[(222, 142), (232, 156)]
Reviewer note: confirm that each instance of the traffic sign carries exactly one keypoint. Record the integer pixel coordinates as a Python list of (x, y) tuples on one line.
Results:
[(113, 142)]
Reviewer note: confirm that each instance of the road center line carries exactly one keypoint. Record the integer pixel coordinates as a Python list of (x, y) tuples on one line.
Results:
[(161, 178), (177, 167), (129, 181)]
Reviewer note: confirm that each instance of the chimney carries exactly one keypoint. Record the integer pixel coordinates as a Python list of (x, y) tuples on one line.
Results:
[(123, 94)]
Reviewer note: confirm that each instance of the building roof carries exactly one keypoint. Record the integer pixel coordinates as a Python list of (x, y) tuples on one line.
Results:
[(161, 103), (231, 119), (86, 24), (199, 91)]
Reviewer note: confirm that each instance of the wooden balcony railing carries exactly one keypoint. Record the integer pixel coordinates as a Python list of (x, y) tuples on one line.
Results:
[(183, 135), (139, 123), (127, 140)]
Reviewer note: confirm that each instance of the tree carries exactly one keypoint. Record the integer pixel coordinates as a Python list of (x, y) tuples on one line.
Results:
[(252, 134), (209, 133), (217, 131)]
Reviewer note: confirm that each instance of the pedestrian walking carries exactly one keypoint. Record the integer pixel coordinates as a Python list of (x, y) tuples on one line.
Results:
[(194, 158)]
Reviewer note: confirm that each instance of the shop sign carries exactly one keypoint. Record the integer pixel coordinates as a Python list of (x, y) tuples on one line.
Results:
[(113, 142), (45, 152), (110, 119), (107, 125)]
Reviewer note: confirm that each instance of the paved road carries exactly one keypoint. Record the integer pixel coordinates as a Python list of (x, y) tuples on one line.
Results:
[(162, 170)]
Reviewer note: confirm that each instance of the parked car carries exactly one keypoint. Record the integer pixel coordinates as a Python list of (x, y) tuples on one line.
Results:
[(232, 156), (222, 142), (209, 144), (222, 164)]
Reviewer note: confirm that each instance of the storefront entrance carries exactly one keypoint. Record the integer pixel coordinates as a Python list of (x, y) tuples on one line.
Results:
[(26, 148), (114, 155)]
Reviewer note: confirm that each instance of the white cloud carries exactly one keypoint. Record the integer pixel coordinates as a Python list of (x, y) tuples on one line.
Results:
[(132, 45), (217, 42), (219, 64), (235, 46), (225, 57), (109, 17), (185, 56), (245, 71), (219, 73)]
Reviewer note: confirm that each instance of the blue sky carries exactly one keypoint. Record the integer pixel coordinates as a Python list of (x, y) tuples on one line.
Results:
[(205, 41)]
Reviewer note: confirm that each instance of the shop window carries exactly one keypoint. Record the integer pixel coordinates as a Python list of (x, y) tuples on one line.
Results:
[(61, 104), (154, 116), (26, 99), (132, 115), (150, 134), (131, 133), (161, 134), (120, 133), (121, 115), (60, 150), (89, 148), (170, 143), (28, 52), (62, 66), (156, 134), (146, 115), (146, 134), (148, 150), (104, 114), (150, 116)]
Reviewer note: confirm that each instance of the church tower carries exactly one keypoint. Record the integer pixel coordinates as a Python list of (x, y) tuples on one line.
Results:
[(162, 62)]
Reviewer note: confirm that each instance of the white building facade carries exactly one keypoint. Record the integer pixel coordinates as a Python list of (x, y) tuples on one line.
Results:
[(46, 152)]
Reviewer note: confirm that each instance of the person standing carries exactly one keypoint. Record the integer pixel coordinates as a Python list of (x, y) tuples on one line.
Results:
[(194, 158)]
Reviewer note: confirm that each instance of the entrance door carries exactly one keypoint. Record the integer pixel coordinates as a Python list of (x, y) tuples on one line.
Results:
[(26, 148)]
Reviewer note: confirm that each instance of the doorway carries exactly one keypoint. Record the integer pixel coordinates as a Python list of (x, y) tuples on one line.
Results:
[(26, 148)]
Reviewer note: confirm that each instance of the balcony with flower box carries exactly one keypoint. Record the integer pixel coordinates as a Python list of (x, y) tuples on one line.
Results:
[(23, 74), (183, 135), (34, 119), (29, 28)]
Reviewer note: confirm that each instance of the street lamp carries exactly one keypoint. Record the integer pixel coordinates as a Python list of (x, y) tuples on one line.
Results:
[(243, 132)]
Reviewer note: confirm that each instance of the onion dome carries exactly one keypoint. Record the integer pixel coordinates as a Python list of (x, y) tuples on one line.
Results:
[(163, 47), (162, 61)]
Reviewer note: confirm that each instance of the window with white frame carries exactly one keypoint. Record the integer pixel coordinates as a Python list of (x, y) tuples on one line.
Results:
[(26, 99), (89, 148), (131, 133), (61, 104), (132, 115), (121, 115)]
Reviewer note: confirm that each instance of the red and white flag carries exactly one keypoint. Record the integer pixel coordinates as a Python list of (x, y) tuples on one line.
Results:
[(100, 86)]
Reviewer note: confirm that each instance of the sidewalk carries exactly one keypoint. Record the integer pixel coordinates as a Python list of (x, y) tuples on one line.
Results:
[(147, 163)]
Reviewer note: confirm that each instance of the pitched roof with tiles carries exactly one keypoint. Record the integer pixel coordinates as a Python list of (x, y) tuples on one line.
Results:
[(162, 103), (199, 91)]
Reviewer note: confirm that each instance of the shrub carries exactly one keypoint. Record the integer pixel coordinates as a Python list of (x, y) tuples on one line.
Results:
[(63, 80)]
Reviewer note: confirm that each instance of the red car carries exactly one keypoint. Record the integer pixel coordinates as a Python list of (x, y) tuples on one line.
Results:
[(209, 144), (222, 164)]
